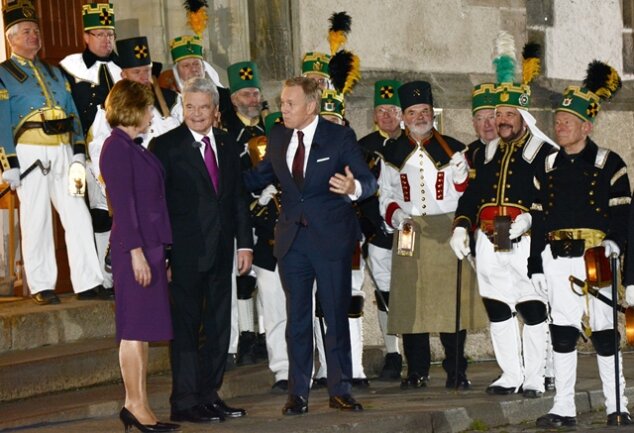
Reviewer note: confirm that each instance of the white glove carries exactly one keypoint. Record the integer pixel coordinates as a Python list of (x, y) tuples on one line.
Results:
[(629, 295), (399, 219), (539, 283), (80, 158), (266, 195), (460, 167), (459, 242), (12, 177), (610, 248), (521, 225)]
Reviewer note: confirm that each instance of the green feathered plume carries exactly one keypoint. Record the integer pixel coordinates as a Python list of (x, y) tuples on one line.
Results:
[(504, 60)]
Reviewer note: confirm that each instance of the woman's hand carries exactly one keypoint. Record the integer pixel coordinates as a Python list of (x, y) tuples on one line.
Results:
[(142, 272)]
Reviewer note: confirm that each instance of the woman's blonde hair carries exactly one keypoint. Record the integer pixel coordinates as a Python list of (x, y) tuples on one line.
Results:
[(127, 102)]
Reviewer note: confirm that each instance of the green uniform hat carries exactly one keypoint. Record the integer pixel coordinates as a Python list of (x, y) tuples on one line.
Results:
[(17, 11), (271, 120), (602, 82), (332, 103), (186, 47), (243, 75), (483, 96), (133, 52), (581, 102), (98, 16), (385, 93), (513, 95), (316, 63)]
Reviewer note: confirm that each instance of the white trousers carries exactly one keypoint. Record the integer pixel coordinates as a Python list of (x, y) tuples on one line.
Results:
[(502, 276), (271, 297), (380, 264), (36, 194), (567, 309)]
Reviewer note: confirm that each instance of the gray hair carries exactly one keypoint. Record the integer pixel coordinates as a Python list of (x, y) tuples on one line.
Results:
[(202, 85), (12, 31)]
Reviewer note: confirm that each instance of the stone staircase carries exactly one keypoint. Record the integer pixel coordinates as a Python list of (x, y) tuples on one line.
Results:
[(45, 349)]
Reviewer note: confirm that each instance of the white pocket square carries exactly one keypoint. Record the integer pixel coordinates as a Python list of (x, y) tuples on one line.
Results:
[(323, 159)]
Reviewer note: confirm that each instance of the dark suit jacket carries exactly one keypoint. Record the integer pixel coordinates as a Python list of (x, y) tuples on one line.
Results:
[(136, 189), (332, 223), (204, 223)]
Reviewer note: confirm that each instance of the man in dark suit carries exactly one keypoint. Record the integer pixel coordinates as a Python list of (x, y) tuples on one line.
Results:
[(321, 170), (208, 209)]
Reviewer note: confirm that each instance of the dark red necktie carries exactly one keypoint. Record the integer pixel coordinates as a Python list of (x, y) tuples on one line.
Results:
[(298, 160)]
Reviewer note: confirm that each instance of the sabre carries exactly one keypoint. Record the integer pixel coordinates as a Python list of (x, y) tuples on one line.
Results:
[(26, 172)]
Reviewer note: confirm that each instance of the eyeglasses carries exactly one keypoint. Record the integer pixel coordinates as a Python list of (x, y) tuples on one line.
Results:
[(387, 111), (102, 35)]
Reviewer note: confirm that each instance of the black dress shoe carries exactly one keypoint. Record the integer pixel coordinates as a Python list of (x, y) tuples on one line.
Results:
[(45, 297), (345, 402), (196, 414), (95, 294), (228, 412), (613, 419), (463, 382), (361, 383), (501, 390), (414, 381), (532, 393), (295, 405), (280, 387), (320, 382), (550, 420)]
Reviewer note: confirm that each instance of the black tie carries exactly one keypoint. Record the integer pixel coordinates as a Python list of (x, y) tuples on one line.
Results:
[(298, 160)]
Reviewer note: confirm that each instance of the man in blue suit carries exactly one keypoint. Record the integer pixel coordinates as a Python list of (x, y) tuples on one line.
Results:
[(321, 170)]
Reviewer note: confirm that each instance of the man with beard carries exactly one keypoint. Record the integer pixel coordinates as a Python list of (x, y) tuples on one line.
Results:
[(91, 75), (387, 118), (501, 194), (582, 200), (423, 174), (244, 124)]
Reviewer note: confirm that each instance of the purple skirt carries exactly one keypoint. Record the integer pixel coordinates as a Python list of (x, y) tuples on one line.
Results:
[(141, 313)]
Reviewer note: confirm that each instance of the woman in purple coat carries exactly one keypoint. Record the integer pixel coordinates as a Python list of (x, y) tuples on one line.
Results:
[(135, 186)]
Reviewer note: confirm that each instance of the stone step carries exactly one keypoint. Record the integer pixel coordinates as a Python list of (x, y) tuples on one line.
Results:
[(61, 367), (25, 325)]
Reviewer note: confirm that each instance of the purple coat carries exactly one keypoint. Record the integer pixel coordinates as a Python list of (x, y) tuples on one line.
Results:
[(135, 185)]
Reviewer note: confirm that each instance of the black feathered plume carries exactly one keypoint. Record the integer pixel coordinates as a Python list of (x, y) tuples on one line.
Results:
[(602, 79), (340, 23), (344, 71), (194, 5)]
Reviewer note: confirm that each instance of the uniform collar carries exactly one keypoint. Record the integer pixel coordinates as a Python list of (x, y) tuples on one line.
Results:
[(90, 58), (22, 60), (588, 154), (246, 121), (519, 142)]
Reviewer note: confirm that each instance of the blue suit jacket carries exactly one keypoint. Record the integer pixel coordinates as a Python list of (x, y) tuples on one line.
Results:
[(332, 222)]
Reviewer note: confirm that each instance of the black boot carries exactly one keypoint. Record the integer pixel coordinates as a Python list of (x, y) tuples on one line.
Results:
[(246, 348), (392, 367)]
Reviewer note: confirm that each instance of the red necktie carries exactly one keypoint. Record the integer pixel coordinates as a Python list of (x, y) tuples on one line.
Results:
[(298, 160), (211, 163)]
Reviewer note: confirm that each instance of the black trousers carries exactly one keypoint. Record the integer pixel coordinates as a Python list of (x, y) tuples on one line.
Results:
[(418, 353), (201, 317)]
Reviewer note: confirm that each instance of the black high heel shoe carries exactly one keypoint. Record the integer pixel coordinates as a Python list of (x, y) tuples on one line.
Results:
[(129, 421)]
